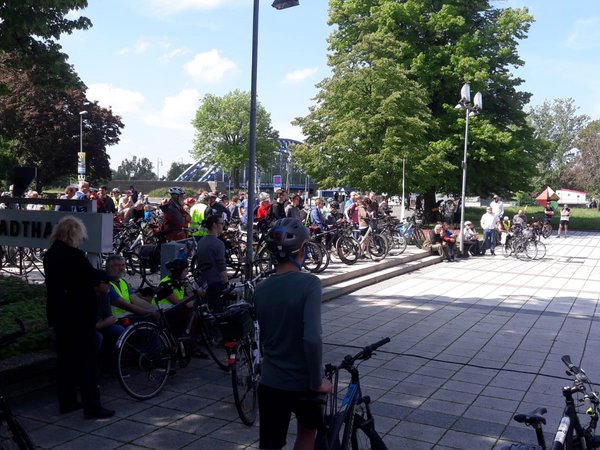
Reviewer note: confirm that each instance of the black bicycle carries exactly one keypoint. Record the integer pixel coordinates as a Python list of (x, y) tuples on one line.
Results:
[(571, 434), (12, 433), (351, 425)]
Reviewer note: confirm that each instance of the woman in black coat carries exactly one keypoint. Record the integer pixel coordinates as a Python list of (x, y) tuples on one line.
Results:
[(71, 309)]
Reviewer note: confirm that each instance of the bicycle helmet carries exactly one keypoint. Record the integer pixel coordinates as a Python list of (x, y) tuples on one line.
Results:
[(176, 190), (176, 266), (335, 205), (286, 237)]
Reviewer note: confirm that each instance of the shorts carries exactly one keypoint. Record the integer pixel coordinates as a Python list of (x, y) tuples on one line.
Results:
[(275, 408), (564, 223)]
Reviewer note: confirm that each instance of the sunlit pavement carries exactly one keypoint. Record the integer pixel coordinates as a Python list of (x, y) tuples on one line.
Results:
[(473, 342)]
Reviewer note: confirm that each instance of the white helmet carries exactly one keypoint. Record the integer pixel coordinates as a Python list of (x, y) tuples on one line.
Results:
[(176, 190)]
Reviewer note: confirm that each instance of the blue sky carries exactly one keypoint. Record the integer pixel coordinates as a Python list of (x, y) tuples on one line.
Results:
[(152, 61)]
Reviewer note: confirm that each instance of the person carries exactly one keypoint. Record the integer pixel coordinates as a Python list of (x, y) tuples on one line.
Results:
[(197, 213), (520, 219), (217, 208), (108, 329), (472, 244), (234, 208), (565, 215), (125, 202), (176, 218), (548, 212), (123, 298), (449, 239), (264, 206), (68, 195), (504, 228), (488, 225), (107, 203), (292, 209), (34, 206), (278, 208), (497, 207), (134, 194), (82, 194), (211, 261), (290, 328), (71, 310), (135, 213), (171, 296), (243, 208)]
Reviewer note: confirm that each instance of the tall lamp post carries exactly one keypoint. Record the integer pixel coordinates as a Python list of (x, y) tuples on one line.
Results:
[(277, 4), (81, 156), (471, 109)]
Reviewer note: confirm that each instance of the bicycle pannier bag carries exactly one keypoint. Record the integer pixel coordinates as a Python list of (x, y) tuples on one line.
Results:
[(236, 322)]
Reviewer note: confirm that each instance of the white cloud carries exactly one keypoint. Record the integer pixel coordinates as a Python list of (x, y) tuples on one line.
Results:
[(209, 67), (289, 131), (169, 7), (120, 100), (585, 34), (174, 53), (297, 76), (177, 111), (140, 47)]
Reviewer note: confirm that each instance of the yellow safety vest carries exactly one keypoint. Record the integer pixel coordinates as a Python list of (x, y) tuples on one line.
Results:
[(197, 212), (179, 292), (123, 291)]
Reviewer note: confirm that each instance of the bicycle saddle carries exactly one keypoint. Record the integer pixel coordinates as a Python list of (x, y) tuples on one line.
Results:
[(532, 418)]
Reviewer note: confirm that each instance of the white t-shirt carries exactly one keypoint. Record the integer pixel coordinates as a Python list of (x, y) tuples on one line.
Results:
[(564, 214)]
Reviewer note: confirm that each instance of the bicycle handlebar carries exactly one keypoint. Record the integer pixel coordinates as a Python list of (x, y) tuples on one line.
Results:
[(366, 352)]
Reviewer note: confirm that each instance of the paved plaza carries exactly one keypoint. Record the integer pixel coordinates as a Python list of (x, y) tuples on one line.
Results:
[(473, 342)]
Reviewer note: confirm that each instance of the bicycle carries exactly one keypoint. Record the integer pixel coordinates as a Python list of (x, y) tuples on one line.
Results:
[(412, 230), (241, 337), (13, 435), (148, 350), (349, 248), (571, 434), (351, 425)]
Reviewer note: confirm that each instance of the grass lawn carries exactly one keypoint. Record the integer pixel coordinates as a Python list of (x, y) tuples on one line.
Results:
[(18, 299), (581, 218)]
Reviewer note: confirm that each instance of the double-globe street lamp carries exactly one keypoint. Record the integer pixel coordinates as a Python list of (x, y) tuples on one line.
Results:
[(277, 4), (472, 109)]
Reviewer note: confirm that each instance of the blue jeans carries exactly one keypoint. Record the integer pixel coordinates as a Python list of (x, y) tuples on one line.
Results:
[(489, 241)]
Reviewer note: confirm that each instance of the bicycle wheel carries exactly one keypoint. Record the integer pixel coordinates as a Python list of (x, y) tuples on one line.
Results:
[(210, 333), (263, 260), (397, 243), (378, 247), (143, 360), (314, 257), (541, 250), (150, 274), (418, 237), (12, 433), (244, 382), (530, 249), (546, 230), (347, 249), (364, 436)]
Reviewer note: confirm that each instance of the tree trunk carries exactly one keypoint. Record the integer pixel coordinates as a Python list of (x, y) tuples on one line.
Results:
[(235, 178), (429, 206)]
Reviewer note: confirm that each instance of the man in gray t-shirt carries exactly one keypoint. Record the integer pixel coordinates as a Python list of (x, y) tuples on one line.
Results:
[(288, 307)]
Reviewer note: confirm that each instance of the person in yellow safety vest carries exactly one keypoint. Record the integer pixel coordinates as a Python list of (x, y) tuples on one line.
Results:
[(197, 212), (172, 292), (123, 298)]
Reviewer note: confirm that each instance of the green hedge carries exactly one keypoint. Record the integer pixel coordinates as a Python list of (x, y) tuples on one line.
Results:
[(18, 299)]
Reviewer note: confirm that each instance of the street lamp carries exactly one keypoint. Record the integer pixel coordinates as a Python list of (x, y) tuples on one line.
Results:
[(81, 156), (277, 4), (471, 109)]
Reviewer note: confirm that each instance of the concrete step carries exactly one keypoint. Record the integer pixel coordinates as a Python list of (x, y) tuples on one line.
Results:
[(340, 279)]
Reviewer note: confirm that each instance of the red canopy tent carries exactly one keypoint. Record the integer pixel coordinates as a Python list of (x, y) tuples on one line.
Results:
[(547, 195)]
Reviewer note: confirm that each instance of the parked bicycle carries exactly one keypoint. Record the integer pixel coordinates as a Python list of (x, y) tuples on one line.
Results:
[(12, 433), (241, 337), (351, 425), (148, 351), (571, 434)]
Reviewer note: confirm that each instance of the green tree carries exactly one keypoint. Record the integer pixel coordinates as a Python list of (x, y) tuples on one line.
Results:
[(176, 169), (584, 172), (135, 169), (43, 123), (28, 32), (429, 48), (557, 126), (223, 129)]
